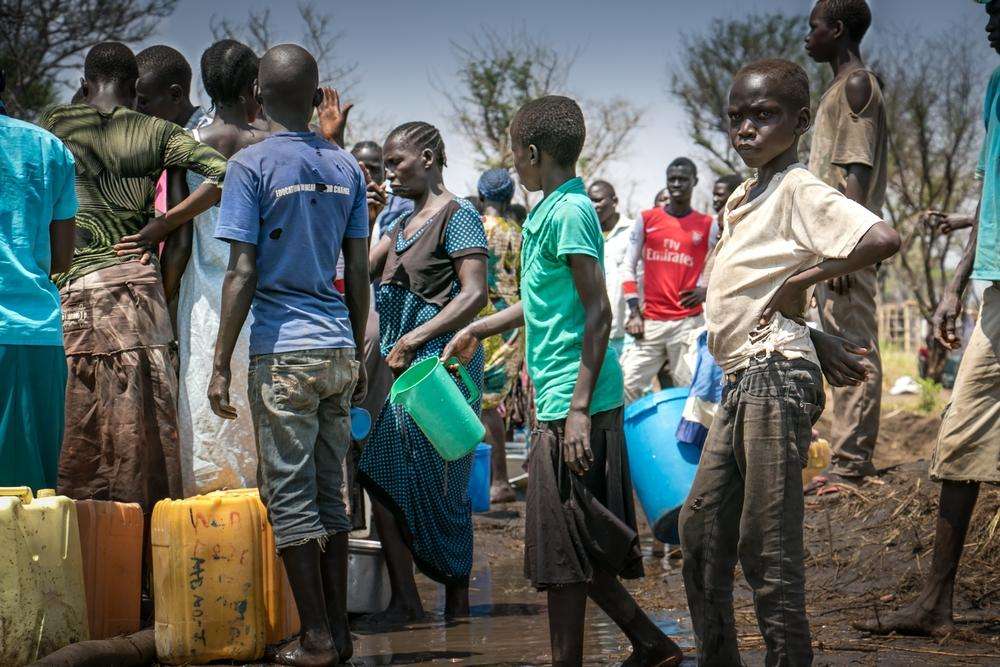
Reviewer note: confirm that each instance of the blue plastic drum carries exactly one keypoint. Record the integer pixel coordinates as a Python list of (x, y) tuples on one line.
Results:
[(479, 480), (662, 469)]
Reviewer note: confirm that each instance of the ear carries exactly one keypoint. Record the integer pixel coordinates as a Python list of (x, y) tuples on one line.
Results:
[(317, 97), (84, 88), (427, 157), (176, 92), (803, 121), (838, 29), (534, 155)]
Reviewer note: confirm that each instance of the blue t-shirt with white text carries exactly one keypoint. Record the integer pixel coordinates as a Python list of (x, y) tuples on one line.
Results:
[(296, 197)]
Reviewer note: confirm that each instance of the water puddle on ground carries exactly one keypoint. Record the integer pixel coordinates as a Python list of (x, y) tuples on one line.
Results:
[(508, 626)]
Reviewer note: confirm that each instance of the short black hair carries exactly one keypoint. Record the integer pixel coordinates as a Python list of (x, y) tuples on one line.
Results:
[(422, 136), (110, 61), (166, 64), (554, 124), (228, 68), (366, 145), (788, 80), (600, 183), (732, 181), (684, 162), (854, 14), (288, 77)]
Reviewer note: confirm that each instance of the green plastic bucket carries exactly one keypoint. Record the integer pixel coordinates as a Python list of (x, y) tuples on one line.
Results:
[(428, 393)]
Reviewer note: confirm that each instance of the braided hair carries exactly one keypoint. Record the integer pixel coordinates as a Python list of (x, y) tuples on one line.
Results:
[(228, 68), (422, 136)]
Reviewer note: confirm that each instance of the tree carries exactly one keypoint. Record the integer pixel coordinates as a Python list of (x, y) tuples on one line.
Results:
[(499, 73), (708, 61), (41, 40), (933, 95), (318, 37)]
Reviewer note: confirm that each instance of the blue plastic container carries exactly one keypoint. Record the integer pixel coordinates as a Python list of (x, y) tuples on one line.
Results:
[(662, 468), (479, 480), (361, 424)]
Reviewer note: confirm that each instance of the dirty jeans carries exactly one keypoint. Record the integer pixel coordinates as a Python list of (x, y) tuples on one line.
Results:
[(300, 402), (746, 505), (856, 410)]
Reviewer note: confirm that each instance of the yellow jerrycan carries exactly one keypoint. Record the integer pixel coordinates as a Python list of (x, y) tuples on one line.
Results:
[(208, 578), (281, 616), (43, 604)]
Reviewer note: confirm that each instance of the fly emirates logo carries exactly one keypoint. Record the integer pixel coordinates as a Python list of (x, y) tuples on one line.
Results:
[(670, 253)]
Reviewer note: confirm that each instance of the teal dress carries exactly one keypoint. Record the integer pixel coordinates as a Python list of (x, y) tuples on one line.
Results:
[(399, 466)]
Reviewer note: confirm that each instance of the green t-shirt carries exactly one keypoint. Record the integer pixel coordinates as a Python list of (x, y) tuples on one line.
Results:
[(562, 224)]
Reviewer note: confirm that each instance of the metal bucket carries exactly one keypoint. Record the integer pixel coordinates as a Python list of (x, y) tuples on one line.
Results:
[(367, 579)]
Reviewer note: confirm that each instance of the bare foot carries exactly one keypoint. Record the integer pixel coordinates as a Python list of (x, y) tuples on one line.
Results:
[(910, 620), (392, 617), (502, 493), (297, 654), (665, 654)]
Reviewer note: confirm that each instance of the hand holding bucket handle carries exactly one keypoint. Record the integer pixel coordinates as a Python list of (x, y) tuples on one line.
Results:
[(453, 364)]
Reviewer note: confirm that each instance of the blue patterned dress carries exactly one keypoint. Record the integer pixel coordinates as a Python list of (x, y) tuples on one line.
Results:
[(399, 466)]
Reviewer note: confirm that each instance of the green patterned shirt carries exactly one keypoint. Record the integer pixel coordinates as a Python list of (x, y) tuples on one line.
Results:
[(119, 155)]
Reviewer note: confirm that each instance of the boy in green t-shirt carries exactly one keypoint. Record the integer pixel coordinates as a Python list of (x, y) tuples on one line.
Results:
[(580, 518)]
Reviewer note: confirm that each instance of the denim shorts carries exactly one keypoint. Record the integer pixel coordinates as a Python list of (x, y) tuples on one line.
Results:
[(300, 402)]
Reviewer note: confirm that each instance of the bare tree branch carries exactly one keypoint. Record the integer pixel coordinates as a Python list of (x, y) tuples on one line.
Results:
[(701, 76), (318, 36), (499, 73), (933, 147)]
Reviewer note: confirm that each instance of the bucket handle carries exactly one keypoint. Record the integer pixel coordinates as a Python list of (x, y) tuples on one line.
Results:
[(470, 386), (22, 492)]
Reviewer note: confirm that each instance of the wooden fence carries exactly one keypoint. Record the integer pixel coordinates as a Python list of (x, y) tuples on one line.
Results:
[(901, 326)]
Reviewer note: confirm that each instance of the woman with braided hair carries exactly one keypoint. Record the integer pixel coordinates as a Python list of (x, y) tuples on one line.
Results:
[(431, 266)]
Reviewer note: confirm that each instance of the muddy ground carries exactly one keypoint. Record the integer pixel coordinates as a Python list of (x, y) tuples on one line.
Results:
[(867, 554)]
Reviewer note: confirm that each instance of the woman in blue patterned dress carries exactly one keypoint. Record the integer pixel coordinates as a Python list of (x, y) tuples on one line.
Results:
[(431, 266)]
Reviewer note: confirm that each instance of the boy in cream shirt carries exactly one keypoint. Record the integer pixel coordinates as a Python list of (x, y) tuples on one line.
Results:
[(784, 232)]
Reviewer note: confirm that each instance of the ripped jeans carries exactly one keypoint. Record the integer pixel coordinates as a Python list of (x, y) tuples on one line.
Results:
[(300, 403), (746, 505)]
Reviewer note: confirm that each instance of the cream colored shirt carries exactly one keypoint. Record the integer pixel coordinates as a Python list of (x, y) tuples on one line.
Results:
[(795, 224)]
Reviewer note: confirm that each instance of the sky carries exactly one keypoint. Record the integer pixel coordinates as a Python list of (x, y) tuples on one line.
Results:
[(624, 48)]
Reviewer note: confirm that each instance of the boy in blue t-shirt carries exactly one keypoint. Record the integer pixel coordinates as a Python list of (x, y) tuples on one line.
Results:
[(291, 203)]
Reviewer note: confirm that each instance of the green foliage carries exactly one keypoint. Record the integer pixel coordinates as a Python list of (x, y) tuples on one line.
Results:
[(930, 396), (41, 40), (709, 59)]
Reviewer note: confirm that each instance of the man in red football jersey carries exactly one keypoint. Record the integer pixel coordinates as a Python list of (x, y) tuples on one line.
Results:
[(672, 242)]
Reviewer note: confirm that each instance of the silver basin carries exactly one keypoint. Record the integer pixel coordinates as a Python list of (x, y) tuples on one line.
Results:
[(367, 579)]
